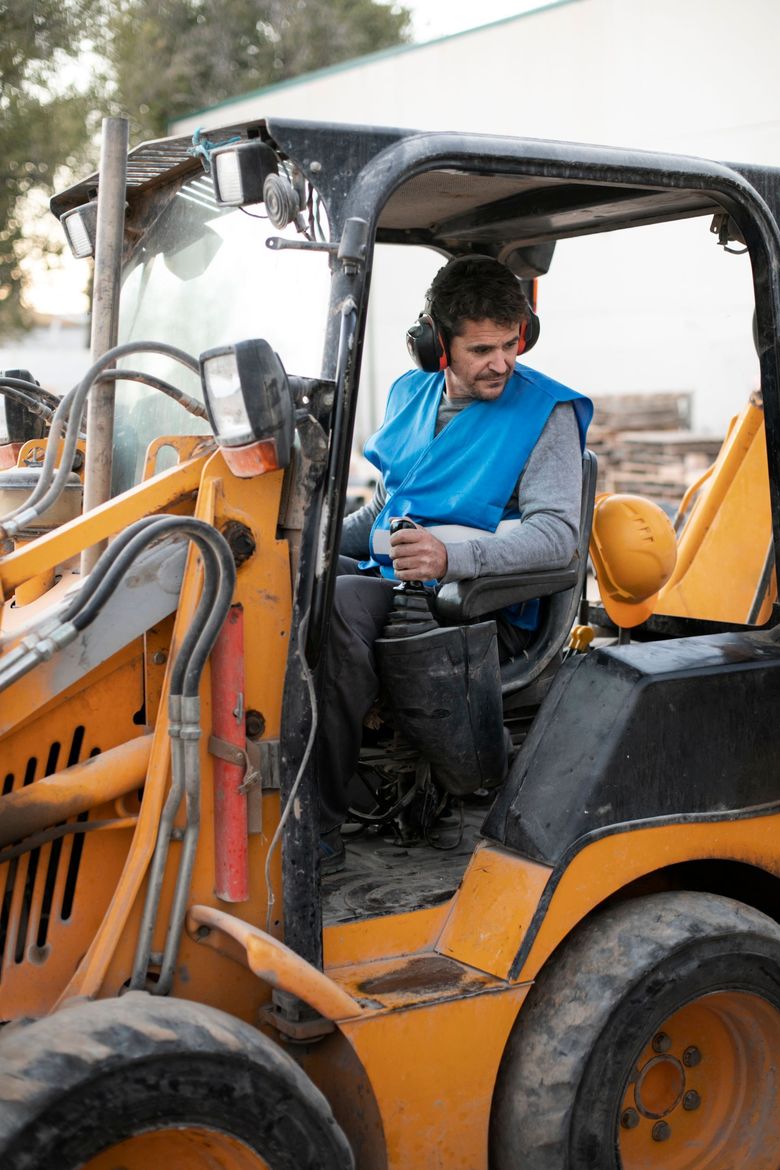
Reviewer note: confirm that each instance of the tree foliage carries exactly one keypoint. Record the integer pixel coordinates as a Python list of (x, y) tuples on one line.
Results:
[(44, 122), (170, 58), (157, 60)]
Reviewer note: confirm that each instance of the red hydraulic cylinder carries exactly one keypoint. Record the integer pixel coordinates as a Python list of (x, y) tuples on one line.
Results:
[(231, 850)]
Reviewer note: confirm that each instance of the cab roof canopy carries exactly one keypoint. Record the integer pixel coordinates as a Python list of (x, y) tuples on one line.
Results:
[(455, 192)]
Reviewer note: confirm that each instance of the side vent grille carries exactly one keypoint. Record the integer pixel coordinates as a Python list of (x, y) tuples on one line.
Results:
[(39, 886)]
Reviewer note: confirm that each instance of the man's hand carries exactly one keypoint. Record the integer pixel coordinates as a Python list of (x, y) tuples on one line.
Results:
[(417, 556)]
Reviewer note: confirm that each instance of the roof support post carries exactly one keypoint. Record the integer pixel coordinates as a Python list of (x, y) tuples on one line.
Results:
[(105, 317)]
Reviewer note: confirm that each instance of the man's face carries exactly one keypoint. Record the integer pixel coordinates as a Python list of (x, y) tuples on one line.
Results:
[(482, 358)]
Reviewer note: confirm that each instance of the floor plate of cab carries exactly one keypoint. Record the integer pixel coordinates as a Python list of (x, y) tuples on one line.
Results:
[(384, 877)]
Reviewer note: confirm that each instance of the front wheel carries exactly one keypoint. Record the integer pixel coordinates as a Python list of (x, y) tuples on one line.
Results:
[(651, 1040), (157, 1084)]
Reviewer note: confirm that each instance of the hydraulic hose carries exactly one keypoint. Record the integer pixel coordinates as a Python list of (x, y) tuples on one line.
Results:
[(67, 423), (17, 392), (157, 868), (218, 585), (79, 598), (219, 581), (216, 617), (51, 401), (88, 608), (186, 400), (184, 730), (90, 584), (189, 756)]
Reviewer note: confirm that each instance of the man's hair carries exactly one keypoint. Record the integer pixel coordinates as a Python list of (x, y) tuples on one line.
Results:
[(475, 288)]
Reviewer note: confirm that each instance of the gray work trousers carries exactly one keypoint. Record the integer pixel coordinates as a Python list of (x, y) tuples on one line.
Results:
[(361, 605)]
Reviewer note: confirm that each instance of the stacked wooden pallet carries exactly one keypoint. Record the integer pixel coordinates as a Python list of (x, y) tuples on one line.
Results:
[(645, 445)]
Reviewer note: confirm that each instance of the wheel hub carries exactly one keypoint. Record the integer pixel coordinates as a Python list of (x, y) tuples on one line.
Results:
[(659, 1086), (704, 1091)]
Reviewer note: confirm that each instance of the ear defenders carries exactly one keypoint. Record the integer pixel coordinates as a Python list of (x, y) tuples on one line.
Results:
[(529, 332), (428, 347)]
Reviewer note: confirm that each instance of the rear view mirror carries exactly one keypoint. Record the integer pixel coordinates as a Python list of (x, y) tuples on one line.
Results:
[(250, 406)]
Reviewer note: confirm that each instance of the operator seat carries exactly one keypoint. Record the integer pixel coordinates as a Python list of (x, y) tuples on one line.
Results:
[(463, 602)]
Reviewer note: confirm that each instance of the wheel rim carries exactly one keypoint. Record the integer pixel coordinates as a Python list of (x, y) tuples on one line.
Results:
[(704, 1093), (186, 1148)]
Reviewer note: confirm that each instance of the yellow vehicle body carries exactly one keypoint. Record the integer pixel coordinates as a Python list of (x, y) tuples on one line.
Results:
[(727, 519), (414, 1014)]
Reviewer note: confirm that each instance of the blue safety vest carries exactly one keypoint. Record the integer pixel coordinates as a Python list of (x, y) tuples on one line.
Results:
[(468, 472)]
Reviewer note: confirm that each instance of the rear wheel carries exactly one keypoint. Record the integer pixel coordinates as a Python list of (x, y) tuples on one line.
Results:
[(651, 1040), (157, 1084)]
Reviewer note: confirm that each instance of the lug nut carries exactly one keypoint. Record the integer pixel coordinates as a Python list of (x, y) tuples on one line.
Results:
[(661, 1042), (661, 1131), (691, 1100), (691, 1057), (629, 1119)]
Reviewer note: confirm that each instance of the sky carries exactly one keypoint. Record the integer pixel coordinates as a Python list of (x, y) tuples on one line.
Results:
[(440, 18)]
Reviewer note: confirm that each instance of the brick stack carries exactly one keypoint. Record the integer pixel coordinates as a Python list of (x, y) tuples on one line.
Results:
[(645, 446)]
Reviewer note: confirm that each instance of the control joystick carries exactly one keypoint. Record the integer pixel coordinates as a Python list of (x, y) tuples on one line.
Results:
[(411, 613)]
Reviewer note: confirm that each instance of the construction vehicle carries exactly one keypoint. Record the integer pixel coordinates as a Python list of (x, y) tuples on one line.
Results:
[(592, 978)]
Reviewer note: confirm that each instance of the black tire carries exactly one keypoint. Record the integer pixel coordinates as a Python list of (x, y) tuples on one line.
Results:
[(652, 1038), (94, 1075)]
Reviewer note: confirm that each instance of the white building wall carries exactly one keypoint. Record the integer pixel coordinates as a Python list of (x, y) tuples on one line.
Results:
[(57, 356), (654, 309)]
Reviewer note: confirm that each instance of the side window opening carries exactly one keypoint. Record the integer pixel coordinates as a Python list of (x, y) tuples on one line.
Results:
[(655, 324)]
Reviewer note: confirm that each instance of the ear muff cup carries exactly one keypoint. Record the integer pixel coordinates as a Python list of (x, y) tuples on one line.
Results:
[(529, 332), (426, 344)]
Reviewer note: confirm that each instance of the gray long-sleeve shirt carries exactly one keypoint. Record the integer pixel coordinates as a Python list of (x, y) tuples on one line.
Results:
[(547, 496)]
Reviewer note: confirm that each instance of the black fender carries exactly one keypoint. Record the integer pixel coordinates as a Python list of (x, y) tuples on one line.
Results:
[(676, 730)]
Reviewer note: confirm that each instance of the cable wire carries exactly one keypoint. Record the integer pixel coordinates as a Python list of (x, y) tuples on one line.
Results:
[(307, 674)]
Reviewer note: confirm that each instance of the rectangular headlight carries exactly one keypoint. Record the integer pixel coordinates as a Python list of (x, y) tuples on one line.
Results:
[(225, 398), (239, 171), (80, 227)]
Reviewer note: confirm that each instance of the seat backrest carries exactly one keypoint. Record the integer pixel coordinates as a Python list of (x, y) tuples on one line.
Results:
[(561, 606)]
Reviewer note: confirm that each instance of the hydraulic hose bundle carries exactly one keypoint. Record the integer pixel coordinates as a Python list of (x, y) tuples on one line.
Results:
[(219, 577), (184, 731), (33, 398), (67, 419)]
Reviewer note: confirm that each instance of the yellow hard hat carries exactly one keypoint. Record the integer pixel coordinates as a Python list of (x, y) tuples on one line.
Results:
[(634, 551)]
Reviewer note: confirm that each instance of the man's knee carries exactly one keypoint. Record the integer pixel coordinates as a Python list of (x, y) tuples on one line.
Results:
[(361, 606)]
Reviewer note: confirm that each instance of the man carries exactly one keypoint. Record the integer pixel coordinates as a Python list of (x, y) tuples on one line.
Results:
[(472, 440)]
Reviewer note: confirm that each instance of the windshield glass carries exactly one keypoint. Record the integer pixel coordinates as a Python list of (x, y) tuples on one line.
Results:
[(203, 277)]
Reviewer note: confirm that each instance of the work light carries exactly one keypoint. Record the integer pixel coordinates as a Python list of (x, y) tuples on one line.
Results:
[(250, 406), (80, 227), (239, 171)]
